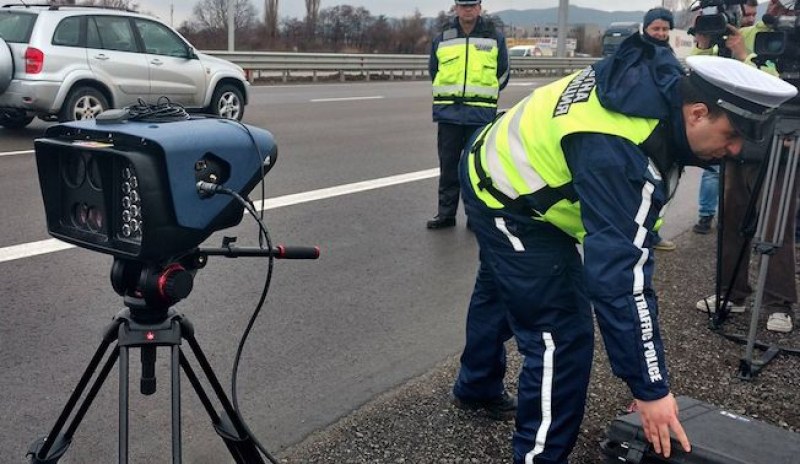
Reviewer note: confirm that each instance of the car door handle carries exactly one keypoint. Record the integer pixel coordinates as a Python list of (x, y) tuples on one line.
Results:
[(101, 57), (156, 62)]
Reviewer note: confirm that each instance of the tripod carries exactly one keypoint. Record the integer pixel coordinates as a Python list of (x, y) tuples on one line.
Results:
[(149, 322), (778, 171)]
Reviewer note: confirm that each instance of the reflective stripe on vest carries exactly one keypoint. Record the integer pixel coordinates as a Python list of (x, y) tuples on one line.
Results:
[(521, 152), (467, 72)]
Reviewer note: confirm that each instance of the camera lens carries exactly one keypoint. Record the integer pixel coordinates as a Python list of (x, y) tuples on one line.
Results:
[(80, 214), (94, 174), (73, 169), (95, 219)]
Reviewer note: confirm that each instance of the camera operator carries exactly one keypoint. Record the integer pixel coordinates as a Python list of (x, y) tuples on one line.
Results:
[(780, 293)]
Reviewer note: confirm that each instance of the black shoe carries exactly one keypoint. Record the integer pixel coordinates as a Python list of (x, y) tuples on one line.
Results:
[(501, 408), (441, 222), (703, 225)]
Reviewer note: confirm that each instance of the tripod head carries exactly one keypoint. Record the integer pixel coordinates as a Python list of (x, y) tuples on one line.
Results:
[(149, 289)]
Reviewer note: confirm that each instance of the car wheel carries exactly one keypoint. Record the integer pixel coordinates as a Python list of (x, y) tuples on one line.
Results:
[(228, 103), (15, 120), (6, 65), (83, 103)]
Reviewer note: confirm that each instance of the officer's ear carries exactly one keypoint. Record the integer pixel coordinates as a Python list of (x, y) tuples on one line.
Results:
[(693, 113)]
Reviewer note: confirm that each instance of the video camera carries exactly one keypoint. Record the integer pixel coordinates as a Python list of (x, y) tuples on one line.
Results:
[(716, 15), (143, 190), (782, 44)]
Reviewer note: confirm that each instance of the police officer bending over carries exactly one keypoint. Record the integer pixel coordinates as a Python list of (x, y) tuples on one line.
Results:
[(468, 66), (590, 159)]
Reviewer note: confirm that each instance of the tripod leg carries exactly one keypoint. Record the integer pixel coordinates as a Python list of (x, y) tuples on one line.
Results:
[(124, 377), (49, 449), (230, 426), (175, 354)]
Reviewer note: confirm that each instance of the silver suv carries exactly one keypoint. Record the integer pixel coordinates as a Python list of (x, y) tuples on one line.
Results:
[(66, 63)]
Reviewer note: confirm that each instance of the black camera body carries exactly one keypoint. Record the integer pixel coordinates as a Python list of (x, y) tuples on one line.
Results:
[(716, 15), (781, 46)]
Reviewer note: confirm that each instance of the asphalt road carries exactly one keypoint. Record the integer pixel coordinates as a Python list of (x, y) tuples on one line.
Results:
[(384, 304)]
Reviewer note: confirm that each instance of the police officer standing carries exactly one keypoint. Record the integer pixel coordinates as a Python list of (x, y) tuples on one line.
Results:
[(590, 159), (468, 66)]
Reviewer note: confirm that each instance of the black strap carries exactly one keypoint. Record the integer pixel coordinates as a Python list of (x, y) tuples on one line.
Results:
[(463, 100), (536, 203)]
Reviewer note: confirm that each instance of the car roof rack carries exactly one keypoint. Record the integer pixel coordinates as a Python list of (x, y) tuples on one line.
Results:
[(58, 7)]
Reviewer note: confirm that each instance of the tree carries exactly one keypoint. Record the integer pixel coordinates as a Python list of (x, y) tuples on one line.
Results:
[(213, 15), (271, 17), (312, 13)]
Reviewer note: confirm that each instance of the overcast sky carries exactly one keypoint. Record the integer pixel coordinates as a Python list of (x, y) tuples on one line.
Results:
[(392, 8)]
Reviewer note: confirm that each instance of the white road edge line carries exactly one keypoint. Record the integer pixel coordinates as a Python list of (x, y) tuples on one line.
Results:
[(13, 153), (27, 250), (324, 100)]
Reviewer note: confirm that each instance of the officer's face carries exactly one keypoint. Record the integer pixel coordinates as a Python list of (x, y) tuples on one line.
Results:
[(710, 137), (468, 13)]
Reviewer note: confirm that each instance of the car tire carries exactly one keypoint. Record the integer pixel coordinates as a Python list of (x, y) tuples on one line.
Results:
[(6, 65), (83, 103), (227, 102), (15, 121)]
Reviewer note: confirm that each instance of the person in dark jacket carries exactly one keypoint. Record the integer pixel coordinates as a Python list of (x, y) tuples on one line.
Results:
[(468, 67), (590, 160), (656, 25)]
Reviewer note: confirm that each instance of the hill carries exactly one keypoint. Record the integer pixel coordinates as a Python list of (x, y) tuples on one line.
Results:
[(575, 15)]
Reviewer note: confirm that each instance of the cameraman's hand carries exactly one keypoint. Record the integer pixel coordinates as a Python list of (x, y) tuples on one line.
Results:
[(658, 418), (735, 43)]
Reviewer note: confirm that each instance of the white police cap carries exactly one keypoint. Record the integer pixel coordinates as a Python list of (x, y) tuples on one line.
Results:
[(468, 2), (748, 95)]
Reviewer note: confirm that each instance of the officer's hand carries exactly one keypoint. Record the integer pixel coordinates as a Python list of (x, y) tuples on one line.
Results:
[(735, 43), (658, 418)]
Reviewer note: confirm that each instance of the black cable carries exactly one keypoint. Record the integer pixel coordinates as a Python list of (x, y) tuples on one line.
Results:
[(163, 110), (263, 233)]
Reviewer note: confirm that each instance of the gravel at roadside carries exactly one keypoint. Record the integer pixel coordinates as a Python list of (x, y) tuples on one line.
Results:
[(415, 423)]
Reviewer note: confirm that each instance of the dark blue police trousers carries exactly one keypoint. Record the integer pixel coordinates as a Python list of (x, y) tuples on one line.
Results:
[(529, 284)]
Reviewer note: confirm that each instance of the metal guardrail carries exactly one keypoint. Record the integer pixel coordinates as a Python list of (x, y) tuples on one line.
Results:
[(285, 66)]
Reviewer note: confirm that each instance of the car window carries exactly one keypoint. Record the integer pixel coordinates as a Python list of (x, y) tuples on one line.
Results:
[(16, 27), (113, 33), (160, 40), (68, 32)]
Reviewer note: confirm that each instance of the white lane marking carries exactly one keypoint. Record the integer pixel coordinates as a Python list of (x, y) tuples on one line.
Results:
[(324, 100), (521, 84), (12, 153), (26, 250)]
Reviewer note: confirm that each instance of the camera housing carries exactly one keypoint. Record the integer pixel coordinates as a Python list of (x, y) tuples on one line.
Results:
[(781, 46), (129, 188), (716, 15)]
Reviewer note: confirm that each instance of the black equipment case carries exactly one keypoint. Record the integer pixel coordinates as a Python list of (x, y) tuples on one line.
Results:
[(717, 437)]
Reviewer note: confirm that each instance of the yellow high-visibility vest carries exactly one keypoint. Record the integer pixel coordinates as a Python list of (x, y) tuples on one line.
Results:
[(467, 71), (521, 154)]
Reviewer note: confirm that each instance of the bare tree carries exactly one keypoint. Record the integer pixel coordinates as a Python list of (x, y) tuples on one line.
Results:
[(312, 13), (213, 14), (271, 17)]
